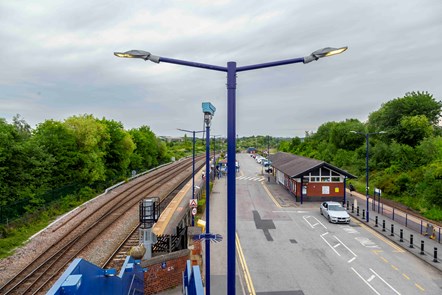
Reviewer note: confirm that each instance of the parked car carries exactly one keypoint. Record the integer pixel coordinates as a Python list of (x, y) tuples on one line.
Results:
[(334, 212), (260, 159)]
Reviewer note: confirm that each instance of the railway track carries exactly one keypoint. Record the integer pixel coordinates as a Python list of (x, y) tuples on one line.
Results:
[(38, 275), (117, 257)]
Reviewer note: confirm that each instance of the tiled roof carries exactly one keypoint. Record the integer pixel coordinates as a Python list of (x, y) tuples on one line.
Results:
[(296, 166)]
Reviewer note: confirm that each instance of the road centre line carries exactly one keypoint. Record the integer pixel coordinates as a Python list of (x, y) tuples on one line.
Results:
[(394, 290), (368, 284), (242, 260), (419, 287)]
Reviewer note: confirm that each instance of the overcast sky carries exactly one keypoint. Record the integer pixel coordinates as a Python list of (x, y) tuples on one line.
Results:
[(57, 60)]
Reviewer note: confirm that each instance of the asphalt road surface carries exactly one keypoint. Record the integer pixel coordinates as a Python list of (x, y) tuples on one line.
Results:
[(293, 250)]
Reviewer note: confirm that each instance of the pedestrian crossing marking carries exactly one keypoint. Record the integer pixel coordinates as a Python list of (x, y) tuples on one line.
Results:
[(251, 178)]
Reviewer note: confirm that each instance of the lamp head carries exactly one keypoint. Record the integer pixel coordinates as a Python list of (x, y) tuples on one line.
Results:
[(138, 54), (209, 111), (327, 51)]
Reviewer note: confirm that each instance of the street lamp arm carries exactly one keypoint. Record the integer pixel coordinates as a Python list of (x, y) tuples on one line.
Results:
[(190, 131), (270, 64), (192, 64)]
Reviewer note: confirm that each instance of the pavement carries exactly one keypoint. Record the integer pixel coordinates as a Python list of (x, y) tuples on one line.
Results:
[(414, 227)]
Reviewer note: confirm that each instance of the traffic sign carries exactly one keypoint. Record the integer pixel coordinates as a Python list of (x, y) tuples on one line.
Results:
[(193, 211), (193, 203)]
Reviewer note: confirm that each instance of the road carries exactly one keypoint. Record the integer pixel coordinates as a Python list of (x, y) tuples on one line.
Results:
[(292, 249)]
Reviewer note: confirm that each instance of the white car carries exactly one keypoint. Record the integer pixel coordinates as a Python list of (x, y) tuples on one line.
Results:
[(334, 212)]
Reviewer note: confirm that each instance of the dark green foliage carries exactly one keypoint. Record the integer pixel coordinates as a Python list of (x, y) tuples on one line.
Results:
[(408, 119), (67, 163), (405, 162)]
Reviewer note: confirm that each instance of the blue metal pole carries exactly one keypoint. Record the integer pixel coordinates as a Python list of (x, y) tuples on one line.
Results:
[(207, 209), (345, 192), (366, 175), (193, 175), (231, 180)]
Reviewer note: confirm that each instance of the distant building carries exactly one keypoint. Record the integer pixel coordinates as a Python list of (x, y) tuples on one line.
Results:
[(251, 150), (309, 179)]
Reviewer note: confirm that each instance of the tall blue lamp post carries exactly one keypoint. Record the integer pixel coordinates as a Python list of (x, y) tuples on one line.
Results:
[(193, 164), (367, 194), (209, 112), (231, 71)]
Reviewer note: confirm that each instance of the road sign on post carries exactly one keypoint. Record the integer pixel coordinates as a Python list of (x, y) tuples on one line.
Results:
[(193, 211), (193, 203)]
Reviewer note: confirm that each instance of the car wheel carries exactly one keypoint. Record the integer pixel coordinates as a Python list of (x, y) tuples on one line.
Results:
[(329, 219), (320, 211)]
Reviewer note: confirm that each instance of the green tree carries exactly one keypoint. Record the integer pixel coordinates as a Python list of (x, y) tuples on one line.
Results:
[(91, 140), (60, 144), (392, 117), (149, 150), (118, 149)]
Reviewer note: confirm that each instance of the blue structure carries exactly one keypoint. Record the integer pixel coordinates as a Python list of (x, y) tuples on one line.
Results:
[(83, 277), (231, 71), (192, 282)]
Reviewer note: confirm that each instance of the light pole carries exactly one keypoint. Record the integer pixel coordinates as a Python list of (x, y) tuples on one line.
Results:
[(193, 164), (209, 112), (231, 70), (367, 194)]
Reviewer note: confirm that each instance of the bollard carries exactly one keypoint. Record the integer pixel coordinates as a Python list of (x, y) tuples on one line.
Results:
[(392, 230), (401, 235), (376, 221), (352, 208), (383, 225), (422, 248), (357, 211), (363, 214), (348, 204), (435, 255), (411, 241)]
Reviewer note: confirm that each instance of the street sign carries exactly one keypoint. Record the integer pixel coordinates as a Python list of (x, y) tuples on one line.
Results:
[(216, 238), (193, 203), (193, 211)]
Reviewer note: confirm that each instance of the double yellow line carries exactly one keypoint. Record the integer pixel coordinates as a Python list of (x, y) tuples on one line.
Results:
[(246, 272)]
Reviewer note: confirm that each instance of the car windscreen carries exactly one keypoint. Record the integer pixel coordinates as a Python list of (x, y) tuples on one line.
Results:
[(335, 208)]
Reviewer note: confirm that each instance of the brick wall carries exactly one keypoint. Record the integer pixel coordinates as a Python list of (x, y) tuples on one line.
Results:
[(165, 271)]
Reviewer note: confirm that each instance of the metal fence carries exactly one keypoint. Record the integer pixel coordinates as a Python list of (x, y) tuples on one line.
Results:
[(413, 222), (420, 225)]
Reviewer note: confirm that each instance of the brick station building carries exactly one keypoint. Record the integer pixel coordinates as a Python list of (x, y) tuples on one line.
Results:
[(309, 179)]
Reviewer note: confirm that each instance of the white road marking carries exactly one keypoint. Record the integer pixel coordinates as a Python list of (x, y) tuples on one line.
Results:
[(351, 260), (394, 290), (312, 225), (345, 246), (368, 284), (331, 247)]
